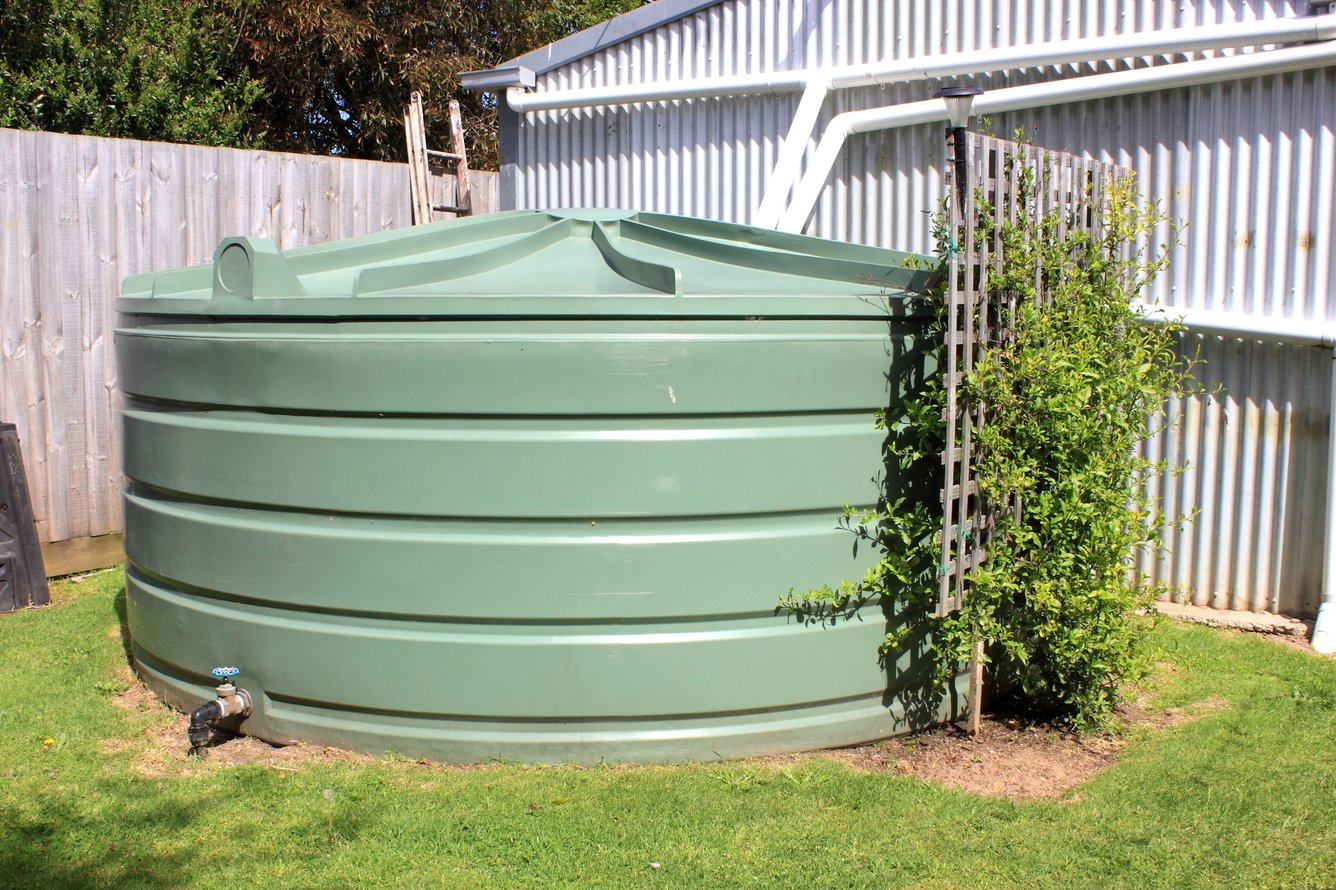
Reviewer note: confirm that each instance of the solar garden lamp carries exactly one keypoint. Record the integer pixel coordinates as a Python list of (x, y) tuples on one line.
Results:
[(959, 101)]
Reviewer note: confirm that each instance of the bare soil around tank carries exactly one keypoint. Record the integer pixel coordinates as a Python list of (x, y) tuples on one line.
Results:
[(1008, 757), (1012, 757)]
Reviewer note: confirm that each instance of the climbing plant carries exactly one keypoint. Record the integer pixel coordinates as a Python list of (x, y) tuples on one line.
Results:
[(1069, 394)]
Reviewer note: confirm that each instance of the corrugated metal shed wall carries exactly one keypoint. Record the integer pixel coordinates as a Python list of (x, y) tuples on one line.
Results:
[(1249, 165)]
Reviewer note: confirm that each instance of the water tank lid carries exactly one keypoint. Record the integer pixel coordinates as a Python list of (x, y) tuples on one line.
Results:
[(541, 264)]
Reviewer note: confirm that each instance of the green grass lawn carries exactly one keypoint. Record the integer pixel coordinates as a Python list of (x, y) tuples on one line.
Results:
[(1243, 796)]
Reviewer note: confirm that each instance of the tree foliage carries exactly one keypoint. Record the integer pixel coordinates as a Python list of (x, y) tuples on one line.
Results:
[(314, 76), (337, 73), (155, 69)]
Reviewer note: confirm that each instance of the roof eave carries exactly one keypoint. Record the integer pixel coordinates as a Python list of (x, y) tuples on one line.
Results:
[(588, 41), (493, 80)]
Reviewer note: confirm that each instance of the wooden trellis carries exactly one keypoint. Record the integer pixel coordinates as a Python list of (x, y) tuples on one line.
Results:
[(980, 315)]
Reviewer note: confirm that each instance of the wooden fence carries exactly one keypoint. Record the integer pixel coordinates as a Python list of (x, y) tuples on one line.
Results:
[(77, 215)]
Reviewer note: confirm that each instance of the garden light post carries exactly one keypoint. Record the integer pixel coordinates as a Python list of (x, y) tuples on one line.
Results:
[(956, 551), (959, 101)]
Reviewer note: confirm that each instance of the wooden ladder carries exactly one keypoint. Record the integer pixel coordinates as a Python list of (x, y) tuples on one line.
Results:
[(419, 163)]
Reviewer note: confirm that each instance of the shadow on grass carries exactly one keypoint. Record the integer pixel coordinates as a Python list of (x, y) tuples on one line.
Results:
[(95, 831), (48, 843), (122, 618)]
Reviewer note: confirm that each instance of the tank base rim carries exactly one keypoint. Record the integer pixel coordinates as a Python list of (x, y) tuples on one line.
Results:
[(281, 723)]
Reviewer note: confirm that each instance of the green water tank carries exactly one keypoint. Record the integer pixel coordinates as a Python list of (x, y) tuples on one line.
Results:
[(525, 486)]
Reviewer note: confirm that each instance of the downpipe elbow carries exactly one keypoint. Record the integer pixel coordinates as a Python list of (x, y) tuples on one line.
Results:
[(201, 725), (1324, 628)]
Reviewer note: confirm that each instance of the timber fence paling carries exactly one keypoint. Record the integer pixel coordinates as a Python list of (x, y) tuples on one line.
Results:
[(80, 213)]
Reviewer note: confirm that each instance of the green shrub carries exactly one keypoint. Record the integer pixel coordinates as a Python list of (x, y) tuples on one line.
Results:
[(1068, 399)]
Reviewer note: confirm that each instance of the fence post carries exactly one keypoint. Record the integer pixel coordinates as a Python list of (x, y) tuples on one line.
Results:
[(22, 577)]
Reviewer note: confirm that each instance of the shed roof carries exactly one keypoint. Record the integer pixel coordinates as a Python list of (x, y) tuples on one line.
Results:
[(591, 40), (519, 70)]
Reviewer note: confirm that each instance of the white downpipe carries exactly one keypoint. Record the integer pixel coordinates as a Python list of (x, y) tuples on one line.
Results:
[(1324, 628), (1117, 46), (794, 217), (791, 151), (1039, 95)]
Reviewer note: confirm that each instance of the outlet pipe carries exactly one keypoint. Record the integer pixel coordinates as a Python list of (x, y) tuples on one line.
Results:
[(231, 702), (1039, 95)]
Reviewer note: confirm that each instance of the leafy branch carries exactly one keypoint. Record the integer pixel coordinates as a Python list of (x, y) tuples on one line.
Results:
[(1069, 395)]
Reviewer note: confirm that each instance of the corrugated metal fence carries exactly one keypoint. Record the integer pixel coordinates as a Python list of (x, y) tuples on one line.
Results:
[(1249, 165), (77, 215)]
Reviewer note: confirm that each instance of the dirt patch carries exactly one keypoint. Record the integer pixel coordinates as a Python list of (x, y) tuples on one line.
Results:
[(1009, 757), (162, 749), (1005, 758), (1302, 644)]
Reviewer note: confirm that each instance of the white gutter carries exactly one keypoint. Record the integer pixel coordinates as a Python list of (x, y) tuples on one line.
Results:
[(1039, 95), (1299, 333), (1117, 46)]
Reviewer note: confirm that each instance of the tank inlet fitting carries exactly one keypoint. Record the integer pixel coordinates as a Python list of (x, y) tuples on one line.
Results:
[(231, 702)]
